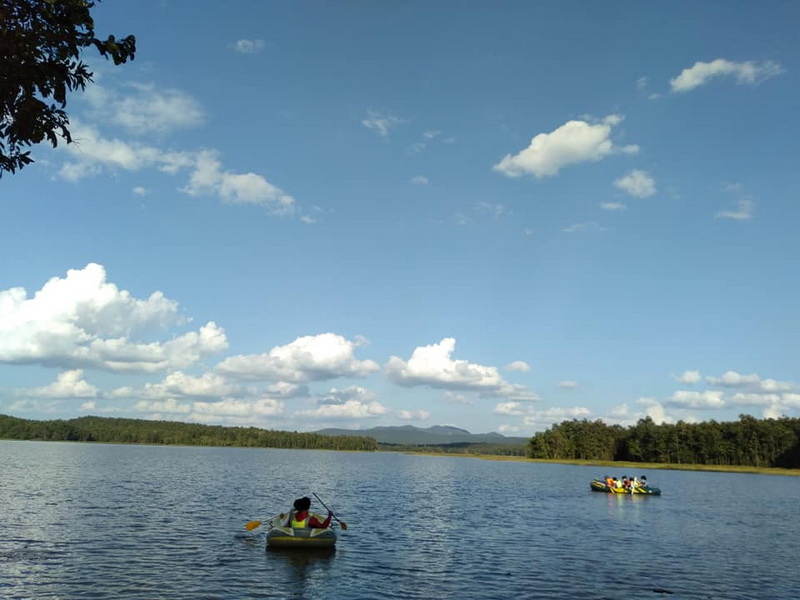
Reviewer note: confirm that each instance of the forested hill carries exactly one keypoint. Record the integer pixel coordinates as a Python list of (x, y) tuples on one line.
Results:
[(408, 435), (140, 431), (747, 442)]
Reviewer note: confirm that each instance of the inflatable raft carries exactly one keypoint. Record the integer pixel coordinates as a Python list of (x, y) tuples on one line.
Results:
[(600, 486), (289, 537)]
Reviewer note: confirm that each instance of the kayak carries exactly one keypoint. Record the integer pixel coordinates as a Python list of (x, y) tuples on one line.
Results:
[(600, 486), (290, 537)]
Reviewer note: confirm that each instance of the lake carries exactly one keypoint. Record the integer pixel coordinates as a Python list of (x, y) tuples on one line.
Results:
[(151, 522)]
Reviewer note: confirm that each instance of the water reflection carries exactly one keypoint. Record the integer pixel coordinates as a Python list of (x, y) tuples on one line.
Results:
[(305, 570)]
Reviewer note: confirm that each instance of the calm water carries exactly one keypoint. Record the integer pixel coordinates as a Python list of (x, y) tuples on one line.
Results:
[(106, 521)]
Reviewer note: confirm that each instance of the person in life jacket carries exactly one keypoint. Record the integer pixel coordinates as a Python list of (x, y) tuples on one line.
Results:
[(300, 517)]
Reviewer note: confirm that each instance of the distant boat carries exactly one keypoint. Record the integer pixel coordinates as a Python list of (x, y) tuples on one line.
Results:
[(292, 537), (600, 486)]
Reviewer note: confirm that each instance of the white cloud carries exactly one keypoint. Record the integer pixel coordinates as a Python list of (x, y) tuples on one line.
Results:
[(380, 123), (309, 358), (84, 321), (494, 209), (688, 377), (544, 418), (179, 384), (93, 152), (169, 406), (235, 188), (350, 409), (511, 409), (710, 399), (742, 210), (655, 411), (615, 206), (567, 385), (582, 227), (734, 379), (413, 415), (749, 73), (572, 143), (230, 407), (433, 366), (70, 384), (637, 183), (420, 180), (455, 398), (248, 46), (140, 191), (518, 365), (143, 109)]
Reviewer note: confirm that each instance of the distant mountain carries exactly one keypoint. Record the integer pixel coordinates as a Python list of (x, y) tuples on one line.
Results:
[(408, 435)]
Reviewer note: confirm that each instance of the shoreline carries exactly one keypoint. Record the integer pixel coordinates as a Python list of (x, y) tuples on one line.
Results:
[(624, 464)]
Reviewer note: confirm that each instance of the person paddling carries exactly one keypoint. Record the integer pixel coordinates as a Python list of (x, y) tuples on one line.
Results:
[(300, 517)]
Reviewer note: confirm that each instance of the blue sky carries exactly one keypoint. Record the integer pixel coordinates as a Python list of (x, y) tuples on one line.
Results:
[(497, 216)]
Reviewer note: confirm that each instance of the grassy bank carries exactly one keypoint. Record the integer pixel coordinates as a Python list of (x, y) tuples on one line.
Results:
[(631, 466)]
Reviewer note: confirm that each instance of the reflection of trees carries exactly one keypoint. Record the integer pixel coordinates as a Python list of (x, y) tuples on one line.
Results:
[(746, 442)]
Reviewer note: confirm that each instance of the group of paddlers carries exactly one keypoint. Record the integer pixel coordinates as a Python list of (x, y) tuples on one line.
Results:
[(626, 483)]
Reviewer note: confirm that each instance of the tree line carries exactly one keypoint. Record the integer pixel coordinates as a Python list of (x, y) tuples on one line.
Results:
[(139, 431), (747, 442)]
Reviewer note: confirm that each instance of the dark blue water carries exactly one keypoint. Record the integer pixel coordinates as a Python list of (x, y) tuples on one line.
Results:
[(105, 521)]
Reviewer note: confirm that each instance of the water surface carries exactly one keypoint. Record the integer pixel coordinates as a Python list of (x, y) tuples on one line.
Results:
[(151, 522)]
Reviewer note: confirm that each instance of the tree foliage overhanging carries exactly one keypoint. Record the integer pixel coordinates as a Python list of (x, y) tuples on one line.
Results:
[(747, 442), (40, 46), (139, 431)]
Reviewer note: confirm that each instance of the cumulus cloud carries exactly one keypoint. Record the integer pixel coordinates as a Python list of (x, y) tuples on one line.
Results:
[(180, 385), (309, 358), (572, 143), (144, 109), (249, 46), (567, 385), (540, 419), (354, 402), (455, 398), (732, 379), (70, 384), (518, 365), (433, 366), (413, 415), (231, 407), (92, 152), (745, 73), (169, 406), (380, 123), (688, 377), (742, 211), (710, 399), (236, 188), (82, 320), (613, 206), (637, 183)]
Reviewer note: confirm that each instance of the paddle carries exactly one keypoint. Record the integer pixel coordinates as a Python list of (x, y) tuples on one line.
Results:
[(255, 524), (252, 525), (342, 524)]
